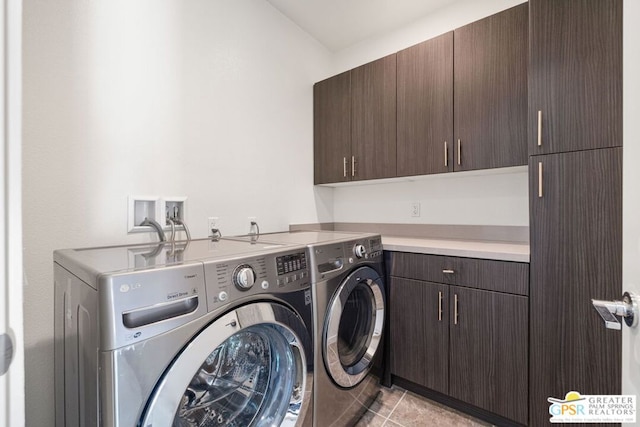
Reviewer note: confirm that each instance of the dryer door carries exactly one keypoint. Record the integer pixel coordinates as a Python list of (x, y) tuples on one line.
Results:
[(353, 327), (247, 368)]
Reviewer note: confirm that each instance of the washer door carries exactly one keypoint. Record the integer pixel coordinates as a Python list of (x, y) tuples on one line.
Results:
[(247, 368), (353, 327)]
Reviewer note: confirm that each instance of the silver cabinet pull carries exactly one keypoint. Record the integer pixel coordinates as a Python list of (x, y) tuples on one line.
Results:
[(446, 154), (344, 167), (539, 128), (455, 309), (353, 166), (448, 271), (539, 179), (440, 306), (459, 152)]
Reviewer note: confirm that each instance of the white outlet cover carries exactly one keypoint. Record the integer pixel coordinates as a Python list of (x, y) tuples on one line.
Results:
[(415, 209)]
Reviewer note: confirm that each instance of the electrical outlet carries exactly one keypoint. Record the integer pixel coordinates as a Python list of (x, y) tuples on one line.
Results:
[(212, 222), (415, 209)]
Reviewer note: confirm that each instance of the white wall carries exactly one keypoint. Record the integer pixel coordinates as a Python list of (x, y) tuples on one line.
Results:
[(490, 199), (494, 198), (206, 99), (630, 194)]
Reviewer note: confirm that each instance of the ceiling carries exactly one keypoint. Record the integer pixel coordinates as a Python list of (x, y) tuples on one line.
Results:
[(338, 24)]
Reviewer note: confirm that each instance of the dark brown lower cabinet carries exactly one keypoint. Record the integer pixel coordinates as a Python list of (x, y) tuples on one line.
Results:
[(420, 327), (488, 349), (576, 255), (470, 344)]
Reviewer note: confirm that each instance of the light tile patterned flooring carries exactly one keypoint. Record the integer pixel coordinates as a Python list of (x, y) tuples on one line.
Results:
[(397, 407)]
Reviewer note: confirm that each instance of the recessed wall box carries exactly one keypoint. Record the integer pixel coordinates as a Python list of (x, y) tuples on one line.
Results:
[(141, 207)]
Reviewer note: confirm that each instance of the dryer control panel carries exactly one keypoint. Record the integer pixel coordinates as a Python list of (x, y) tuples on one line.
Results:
[(237, 278), (330, 259)]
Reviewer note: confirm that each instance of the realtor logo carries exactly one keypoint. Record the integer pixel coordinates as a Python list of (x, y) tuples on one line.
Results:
[(577, 408)]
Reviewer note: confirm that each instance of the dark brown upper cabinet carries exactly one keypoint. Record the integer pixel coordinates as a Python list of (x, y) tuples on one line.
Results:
[(332, 129), (354, 124), (575, 75), (490, 91), (425, 107), (373, 119)]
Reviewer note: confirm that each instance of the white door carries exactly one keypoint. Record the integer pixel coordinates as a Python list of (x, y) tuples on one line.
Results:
[(631, 192), (11, 342)]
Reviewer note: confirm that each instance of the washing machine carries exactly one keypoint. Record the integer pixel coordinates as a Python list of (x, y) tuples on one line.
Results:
[(347, 274), (202, 333)]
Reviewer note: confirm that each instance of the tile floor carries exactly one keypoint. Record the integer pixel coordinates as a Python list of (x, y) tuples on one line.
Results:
[(397, 407)]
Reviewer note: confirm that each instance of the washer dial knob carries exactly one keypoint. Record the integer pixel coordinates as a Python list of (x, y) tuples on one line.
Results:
[(244, 277), (359, 250)]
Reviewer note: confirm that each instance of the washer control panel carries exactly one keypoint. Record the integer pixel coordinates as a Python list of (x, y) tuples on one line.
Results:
[(278, 272)]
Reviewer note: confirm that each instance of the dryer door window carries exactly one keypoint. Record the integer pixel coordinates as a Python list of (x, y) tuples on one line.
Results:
[(353, 327), (251, 371)]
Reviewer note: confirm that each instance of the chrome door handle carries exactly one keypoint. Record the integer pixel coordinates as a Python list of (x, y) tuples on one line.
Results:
[(440, 306), (448, 271), (353, 166), (459, 152), (627, 309), (344, 167), (6, 353)]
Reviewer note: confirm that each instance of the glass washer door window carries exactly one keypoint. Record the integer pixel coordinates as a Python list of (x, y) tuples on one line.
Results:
[(353, 327), (248, 375)]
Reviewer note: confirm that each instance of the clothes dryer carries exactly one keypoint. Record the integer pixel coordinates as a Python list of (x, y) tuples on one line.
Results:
[(199, 334), (347, 273)]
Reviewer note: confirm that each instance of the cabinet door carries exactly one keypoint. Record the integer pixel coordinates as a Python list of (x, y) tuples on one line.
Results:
[(490, 86), (576, 255), (373, 119), (575, 75), (332, 129), (425, 107), (488, 354), (419, 332)]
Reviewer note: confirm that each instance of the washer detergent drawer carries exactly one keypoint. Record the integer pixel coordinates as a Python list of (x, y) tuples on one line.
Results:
[(143, 304)]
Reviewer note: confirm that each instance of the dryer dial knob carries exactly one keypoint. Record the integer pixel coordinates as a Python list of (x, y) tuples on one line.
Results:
[(359, 250), (244, 277)]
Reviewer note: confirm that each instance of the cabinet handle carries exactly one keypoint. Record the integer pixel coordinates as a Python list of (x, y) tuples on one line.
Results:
[(353, 166), (539, 128), (539, 179), (440, 306), (459, 152), (448, 271), (344, 167), (446, 154), (455, 309)]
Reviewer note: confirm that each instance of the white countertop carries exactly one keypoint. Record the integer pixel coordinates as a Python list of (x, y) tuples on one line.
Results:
[(503, 251)]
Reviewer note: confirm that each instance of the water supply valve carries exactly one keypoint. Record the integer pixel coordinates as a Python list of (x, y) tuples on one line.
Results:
[(627, 309)]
